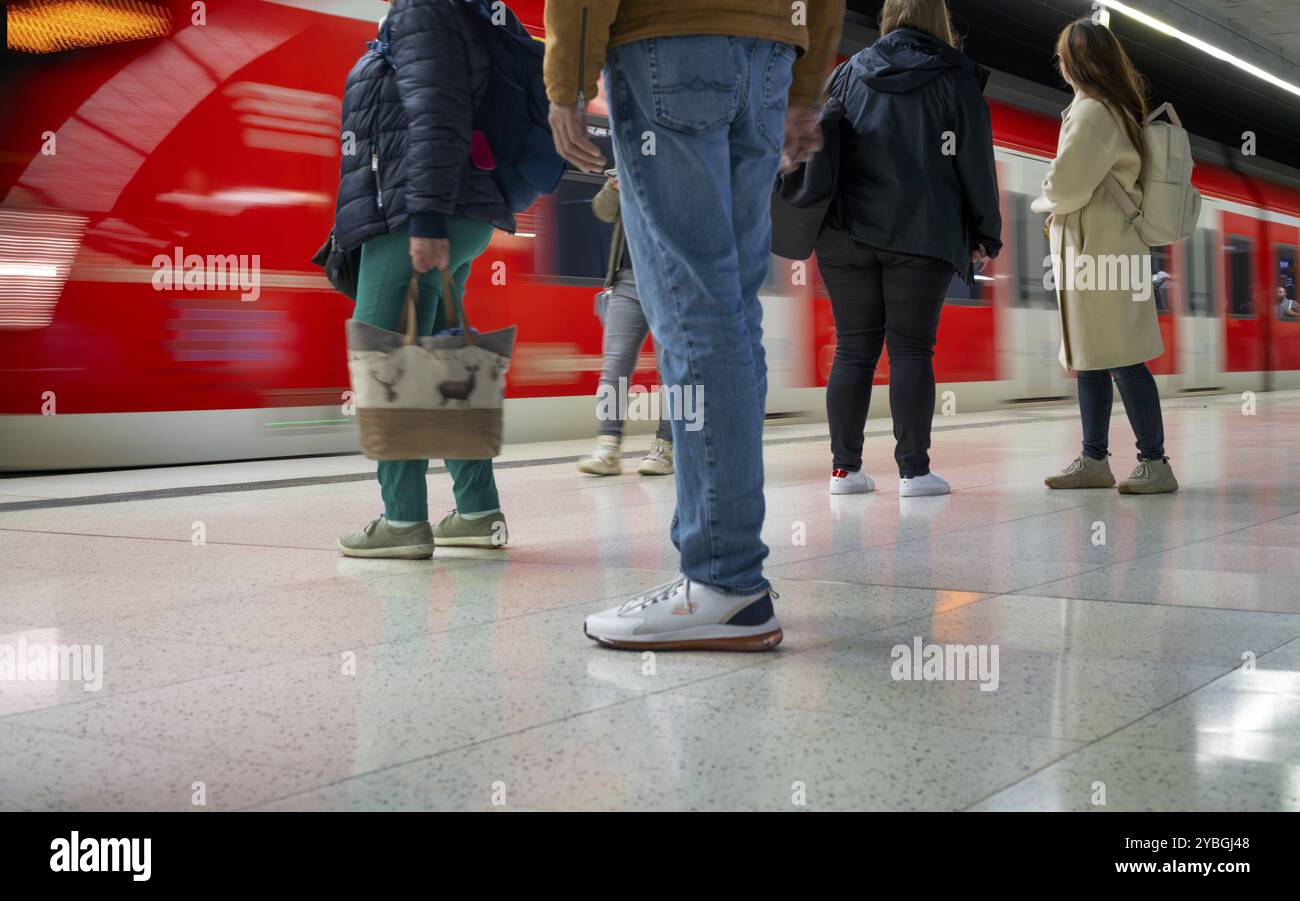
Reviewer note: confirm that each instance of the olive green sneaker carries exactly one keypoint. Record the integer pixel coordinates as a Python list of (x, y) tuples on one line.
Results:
[(379, 538), (1150, 477), (457, 531), (1084, 472)]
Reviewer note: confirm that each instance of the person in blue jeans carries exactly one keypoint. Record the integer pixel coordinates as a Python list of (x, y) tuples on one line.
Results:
[(699, 125)]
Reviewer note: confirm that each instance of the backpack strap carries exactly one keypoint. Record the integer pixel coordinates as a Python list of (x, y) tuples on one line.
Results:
[(1168, 110), (1120, 196), (618, 248)]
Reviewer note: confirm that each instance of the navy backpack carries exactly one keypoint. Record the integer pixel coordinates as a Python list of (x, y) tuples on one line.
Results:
[(513, 114)]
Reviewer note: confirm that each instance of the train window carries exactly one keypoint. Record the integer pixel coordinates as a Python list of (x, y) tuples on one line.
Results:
[(1241, 302), (1162, 277), (974, 295), (1200, 273), (578, 247), (1284, 296), (1031, 251)]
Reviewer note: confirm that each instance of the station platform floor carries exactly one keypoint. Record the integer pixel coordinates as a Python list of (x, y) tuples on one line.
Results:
[(1148, 648)]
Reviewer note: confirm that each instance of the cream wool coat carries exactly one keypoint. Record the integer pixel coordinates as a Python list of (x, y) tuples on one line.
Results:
[(1101, 327)]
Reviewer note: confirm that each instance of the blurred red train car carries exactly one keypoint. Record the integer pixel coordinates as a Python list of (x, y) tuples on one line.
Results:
[(149, 132)]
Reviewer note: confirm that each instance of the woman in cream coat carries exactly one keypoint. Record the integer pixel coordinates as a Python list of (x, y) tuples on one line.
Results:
[(1102, 268)]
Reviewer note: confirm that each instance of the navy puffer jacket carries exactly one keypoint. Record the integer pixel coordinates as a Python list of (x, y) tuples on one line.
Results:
[(411, 122)]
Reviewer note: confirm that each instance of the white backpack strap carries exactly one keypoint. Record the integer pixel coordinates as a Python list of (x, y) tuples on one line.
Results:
[(1117, 192), (1168, 110)]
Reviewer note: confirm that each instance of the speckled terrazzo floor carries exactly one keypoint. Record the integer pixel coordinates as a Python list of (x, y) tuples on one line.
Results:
[(281, 676)]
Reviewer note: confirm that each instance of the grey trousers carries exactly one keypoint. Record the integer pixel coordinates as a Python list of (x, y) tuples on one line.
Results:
[(625, 331)]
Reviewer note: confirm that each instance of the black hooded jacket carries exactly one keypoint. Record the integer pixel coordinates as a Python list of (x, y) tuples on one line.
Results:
[(408, 117), (916, 169)]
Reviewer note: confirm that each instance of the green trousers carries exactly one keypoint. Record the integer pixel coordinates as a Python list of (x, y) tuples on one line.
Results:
[(381, 293)]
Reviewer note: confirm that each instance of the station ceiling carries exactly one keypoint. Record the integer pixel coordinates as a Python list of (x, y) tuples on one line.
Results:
[(1215, 99)]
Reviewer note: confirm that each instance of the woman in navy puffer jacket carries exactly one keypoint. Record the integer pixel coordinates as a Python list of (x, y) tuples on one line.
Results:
[(415, 198)]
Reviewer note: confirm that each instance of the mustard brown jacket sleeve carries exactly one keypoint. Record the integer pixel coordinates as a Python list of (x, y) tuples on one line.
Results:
[(825, 21), (577, 36)]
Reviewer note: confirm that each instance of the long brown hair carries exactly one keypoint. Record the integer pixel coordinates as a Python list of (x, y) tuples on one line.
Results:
[(930, 16), (1099, 67)]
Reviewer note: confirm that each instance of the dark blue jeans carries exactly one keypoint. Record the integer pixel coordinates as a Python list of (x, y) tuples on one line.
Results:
[(1137, 388)]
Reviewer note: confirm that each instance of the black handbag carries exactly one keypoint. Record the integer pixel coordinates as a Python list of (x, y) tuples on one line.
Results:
[(802, 198), (342, 267)]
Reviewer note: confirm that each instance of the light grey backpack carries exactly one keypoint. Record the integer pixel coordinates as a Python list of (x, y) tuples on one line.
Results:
[(1170, 205)]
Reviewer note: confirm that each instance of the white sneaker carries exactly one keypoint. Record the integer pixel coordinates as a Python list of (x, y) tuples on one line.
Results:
[(845, 482), (658, 461), (922, 486), (685, 615), (606, 460)]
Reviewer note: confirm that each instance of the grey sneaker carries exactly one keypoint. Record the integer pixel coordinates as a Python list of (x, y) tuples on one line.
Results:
[(1084, 472), (379, 539), (658, 461), (606, 460), (1150, 477), (457, 531)]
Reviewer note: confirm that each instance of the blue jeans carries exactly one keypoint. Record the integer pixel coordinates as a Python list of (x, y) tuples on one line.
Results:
[(698, 125), (1137, 388)]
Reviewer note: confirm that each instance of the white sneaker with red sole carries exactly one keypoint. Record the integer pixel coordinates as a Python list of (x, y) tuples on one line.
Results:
[(845, 482)]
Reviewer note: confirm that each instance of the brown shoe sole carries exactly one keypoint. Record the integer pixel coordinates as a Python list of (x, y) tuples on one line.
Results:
[(762, 642)]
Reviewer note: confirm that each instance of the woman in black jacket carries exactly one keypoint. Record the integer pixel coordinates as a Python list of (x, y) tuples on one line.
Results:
[(916, 201), (415, 198)]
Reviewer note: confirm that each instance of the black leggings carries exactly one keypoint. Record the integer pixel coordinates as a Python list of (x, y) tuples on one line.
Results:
[(880, 299), (1137, 388)]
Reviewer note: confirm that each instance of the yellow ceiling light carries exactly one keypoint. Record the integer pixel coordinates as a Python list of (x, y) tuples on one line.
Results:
[(48, 26)]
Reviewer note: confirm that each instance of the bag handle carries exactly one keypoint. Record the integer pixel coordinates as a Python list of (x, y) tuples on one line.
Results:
[(412, 294), (448, 290)]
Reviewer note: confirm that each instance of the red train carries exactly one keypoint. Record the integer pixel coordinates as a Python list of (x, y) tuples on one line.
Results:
[(218, 141)]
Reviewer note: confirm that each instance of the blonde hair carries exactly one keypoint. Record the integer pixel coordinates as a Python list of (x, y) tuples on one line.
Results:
[(930, 16)]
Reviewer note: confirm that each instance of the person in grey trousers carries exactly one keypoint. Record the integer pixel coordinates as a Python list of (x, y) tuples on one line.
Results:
[(625, 332)]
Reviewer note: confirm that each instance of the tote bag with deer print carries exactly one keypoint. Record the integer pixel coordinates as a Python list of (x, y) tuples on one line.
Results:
[(429, 397)]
